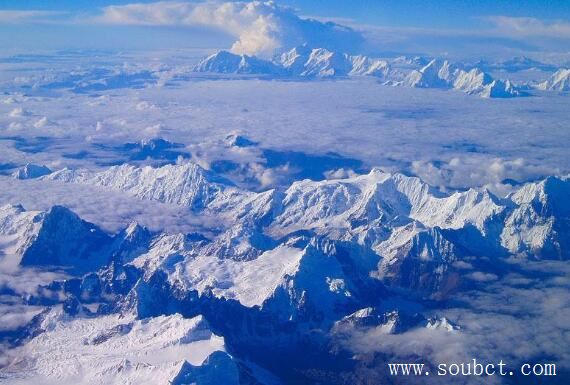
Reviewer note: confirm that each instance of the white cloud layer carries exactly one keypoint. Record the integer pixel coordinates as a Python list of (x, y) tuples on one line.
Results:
[(261, 28)]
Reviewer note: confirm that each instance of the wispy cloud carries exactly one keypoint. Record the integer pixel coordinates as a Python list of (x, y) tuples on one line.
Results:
[(23, 17), (529, 27)]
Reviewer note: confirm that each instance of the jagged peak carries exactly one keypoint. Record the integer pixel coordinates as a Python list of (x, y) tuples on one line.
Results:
[(551, 196), (61, 213), (442, 323)]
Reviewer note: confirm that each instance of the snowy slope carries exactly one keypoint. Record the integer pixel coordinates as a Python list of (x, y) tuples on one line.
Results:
[(187, 184), (122, 350), (477, 82), (559, 81), (435, 74), (539, 225)]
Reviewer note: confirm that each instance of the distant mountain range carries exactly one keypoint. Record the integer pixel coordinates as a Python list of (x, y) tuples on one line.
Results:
[(304, 62)]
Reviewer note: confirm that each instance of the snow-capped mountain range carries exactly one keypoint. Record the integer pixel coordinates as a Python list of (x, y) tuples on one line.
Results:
[(393, 216), (313, 255), (304, 62), (437, 74)]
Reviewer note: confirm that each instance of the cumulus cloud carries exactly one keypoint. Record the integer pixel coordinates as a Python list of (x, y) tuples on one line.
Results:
[(17, 113), (261, 28)]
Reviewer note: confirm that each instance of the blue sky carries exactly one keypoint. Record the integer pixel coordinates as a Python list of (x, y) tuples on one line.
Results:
[(447, 13), (409, 26)]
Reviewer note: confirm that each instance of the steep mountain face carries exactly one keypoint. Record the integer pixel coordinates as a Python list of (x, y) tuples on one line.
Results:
[(434, 75), (540, 223), (366, 66), (130, 243), (559, 81), (17, 227), (417, 258), (477, 82), (57, 237), (322, 63), (321, 287)]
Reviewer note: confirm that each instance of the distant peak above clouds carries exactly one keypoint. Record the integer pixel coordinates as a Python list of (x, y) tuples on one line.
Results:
[(261, 28), (303, 62)]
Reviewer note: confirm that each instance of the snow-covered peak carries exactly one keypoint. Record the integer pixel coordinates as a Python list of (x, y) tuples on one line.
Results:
[(366, 66), (31, 171), (442, 324), (543, 192), (559, 81), (443, 74), (64, 239), (249, 282), (130, 242), (477, 82), (225, 62), (17, 226), (356, 201), (57, 237), (539, 224), (435, 74), (325, 63)]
